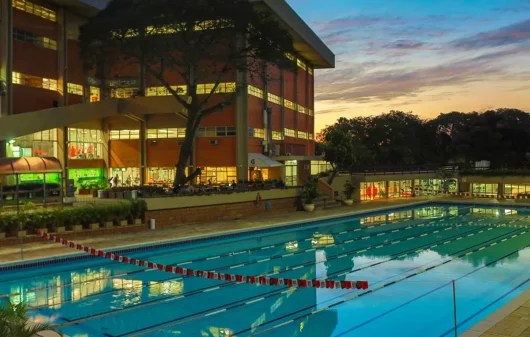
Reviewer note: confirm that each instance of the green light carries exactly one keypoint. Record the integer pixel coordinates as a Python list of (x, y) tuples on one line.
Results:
[(11, 141)]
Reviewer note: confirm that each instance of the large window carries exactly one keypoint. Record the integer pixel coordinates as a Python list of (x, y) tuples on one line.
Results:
[(291, 173), (39, 144), (373, 190), (274, 99), (75, 89), (123, 92), (400, 188), (162, 91), (290, 133), (34, 81), (125, 134), (320, 166), (277, 135), (32, 8), (85, 144), (435, 186), (161, 175), (252, 90), (289, 105), (302, 135), (127, 176), (95, 94), (257, 133), (221, 88), (515, 190), (487, 189), (45, 42), (166, 133), (217, 131), (217, 175)]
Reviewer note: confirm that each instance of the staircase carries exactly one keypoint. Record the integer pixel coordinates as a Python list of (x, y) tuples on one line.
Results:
[(326, 202)]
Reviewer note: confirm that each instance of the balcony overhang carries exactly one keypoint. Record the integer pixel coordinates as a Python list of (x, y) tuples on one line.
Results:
[(135, 108)]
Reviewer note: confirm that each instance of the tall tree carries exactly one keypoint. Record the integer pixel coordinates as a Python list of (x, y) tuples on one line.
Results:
[(198, 41)]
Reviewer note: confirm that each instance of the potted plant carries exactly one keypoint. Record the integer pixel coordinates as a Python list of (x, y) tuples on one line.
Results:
[(83, 188), (138, 209), (58, 217), (103, 193), (348, 193), (310, 193), (124, 213), (3, 226), (90, 217), (73, 218), (41, 221), (107, 216), (120, 193)]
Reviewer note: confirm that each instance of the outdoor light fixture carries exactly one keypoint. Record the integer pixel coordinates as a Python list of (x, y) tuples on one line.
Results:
[(11, 141), (123, 169)]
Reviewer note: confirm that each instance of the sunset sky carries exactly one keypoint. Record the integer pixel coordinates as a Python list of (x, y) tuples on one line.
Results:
[(425, 56)]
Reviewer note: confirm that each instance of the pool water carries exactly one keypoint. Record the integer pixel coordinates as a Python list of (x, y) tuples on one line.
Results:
[(409, 256)]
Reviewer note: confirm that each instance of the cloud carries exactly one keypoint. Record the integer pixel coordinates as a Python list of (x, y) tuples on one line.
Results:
[(516, 33), (332, 110), (405, 44), (387, 85)]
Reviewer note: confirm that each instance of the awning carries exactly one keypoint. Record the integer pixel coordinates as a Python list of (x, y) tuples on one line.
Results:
[(260, 160), (29, 165)]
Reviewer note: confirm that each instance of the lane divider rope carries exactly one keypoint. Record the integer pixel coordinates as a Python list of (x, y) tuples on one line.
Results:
[(272, 281)]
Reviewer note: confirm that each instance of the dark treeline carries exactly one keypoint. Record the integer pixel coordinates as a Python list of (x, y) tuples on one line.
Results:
[(398, 138)]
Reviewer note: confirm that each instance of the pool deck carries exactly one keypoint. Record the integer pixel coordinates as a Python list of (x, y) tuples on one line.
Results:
[(511, 320)]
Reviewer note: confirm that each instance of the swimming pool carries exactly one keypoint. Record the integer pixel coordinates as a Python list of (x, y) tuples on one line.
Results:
[(409, 256)]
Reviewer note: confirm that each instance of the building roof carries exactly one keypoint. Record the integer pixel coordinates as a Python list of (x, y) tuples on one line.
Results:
[(307, 43)]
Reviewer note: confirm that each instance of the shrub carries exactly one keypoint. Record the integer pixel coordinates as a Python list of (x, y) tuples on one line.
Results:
[(348, 190), (310, 192), (138, 209)]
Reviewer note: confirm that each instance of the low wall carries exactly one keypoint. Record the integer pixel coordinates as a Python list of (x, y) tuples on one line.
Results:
[(228, 207), (154, 204)]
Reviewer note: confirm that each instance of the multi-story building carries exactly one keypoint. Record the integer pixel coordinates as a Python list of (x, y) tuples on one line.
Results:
[(97, 127)]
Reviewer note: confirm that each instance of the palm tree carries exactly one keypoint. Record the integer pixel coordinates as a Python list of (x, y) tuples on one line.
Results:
[(14, 322)]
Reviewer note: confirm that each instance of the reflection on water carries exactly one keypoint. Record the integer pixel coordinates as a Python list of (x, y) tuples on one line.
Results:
[(89, 282), (493, 211), (428, 212), (293, 245), (322, 240)]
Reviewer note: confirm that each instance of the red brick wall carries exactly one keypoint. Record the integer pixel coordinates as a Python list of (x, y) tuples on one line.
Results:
[(178, 216)]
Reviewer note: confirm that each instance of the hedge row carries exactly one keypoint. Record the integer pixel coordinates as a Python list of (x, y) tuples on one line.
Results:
[(69, 217)]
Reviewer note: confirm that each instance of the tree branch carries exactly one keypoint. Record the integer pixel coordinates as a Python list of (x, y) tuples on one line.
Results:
[(173, 92)]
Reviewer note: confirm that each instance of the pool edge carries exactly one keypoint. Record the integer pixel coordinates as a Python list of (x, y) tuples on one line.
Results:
[(18, 265)]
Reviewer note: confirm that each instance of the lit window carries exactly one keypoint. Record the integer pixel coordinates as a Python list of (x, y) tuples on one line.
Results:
[(125, 134), (310, 70), (277, 135), (255, 91), (257, 133), (17, 78), (289, 56), (49, 84), (290, 133), (94, 94), (301, 64), (75, 89), (166, 133), (310, 112), (302, 135), (302, 109), (30, 7), (310, 136), (123, 92), (226, 87), (85, 143), (274, 99), (288, 104), (162, 91)]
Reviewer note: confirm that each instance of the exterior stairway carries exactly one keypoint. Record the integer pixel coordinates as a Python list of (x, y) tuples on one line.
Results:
[(326, 202)]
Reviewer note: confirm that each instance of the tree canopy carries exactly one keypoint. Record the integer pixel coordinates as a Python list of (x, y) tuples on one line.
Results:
[(182, 44), (397, 138)]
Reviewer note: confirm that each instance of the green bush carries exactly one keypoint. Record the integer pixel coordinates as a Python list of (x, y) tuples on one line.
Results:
[(310, 192), (138, 209)]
